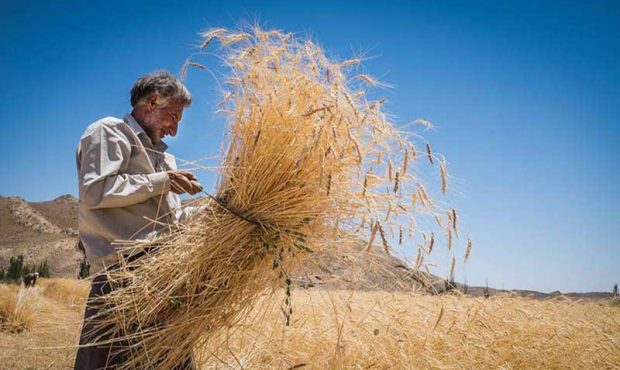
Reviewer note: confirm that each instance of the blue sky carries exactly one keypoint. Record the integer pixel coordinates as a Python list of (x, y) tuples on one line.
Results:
[(525, 96)]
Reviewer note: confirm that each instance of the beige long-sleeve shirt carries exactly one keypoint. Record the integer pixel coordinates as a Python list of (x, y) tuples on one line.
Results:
[(123, 186)]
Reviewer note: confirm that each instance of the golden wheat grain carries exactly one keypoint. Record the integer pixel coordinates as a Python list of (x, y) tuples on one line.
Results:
[(366, 78), (374, 228), (414, 152), (350, 62), (467, 250), (419, 260), (431, 242), (386, 247), (208, 36), (444, 175), (396, 181), (438, 220), (429, 152), (423, 122), (414, 198)]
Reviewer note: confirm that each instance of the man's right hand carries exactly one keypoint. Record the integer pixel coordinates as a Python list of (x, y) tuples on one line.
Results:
[(183, 181)]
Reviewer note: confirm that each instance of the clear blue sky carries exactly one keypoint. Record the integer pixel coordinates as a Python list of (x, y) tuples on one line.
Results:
[(525, 96)]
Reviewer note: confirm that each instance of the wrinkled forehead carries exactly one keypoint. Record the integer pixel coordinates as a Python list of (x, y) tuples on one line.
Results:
[(173, 106)]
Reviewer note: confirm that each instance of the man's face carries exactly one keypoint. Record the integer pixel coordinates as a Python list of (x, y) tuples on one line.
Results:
[(163, 120)]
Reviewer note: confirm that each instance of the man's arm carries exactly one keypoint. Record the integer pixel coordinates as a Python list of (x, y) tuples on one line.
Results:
[(105, 152)]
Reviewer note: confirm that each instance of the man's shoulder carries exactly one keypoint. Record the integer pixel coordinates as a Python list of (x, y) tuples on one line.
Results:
[(106, 123), (111, 122)]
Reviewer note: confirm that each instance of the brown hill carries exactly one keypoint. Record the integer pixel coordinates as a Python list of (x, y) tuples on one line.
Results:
[(40, 231), (61, 211), (354, 268)]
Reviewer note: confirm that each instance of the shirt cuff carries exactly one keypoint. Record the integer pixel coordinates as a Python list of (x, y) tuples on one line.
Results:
[(159, 182)]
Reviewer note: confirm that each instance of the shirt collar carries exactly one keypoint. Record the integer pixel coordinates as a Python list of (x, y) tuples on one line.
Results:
[(139, 131)]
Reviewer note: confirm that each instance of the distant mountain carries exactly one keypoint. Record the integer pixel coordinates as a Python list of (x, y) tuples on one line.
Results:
[(40, 231), (356, 268), (61, 211)]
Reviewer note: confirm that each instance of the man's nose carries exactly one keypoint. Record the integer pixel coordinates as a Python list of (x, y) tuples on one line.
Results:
[(174, 129)]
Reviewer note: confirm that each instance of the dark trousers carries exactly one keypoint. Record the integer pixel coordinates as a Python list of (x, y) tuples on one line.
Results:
[(105, 356)]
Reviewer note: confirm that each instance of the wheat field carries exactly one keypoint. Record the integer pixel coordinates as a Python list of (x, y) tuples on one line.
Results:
[(338, 329)]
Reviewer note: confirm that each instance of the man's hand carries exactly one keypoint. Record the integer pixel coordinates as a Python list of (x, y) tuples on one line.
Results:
[(183, 181)]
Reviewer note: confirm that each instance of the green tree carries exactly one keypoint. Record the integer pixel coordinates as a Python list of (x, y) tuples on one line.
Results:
[(2, 274), (16, 268), (84, 269), (44, 270)]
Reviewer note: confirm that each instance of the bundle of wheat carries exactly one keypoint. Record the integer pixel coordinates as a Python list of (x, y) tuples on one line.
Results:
[(311, 165)]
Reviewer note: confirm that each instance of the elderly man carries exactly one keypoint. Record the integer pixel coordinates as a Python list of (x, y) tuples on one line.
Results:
[(125, 180)]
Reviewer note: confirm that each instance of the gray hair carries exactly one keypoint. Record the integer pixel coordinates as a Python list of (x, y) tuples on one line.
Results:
[(164, 84)]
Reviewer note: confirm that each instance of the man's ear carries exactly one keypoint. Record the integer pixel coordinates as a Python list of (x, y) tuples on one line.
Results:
[(152, 101)]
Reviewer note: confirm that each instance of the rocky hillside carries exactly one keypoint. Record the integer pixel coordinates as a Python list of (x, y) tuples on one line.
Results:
[(62, 211), (357, 269), (40, 231)]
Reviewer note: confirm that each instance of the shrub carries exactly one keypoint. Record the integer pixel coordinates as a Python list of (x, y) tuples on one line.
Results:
[(17, 311), (16, 269), (44, 270)]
